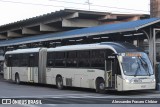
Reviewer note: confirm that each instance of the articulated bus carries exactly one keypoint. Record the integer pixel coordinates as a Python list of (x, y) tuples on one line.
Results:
[(100, 66)]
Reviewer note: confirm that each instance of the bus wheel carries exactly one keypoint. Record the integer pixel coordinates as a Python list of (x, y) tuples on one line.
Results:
[(100, 86), (17, 79), (59, 82)]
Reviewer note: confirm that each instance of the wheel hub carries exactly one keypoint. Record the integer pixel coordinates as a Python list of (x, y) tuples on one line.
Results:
[(101, 86)]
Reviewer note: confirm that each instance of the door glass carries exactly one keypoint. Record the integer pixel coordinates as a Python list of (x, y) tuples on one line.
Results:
[(108, 73), (108, 66)]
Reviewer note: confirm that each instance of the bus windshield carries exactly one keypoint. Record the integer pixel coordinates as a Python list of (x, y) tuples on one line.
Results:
[(137, 65)]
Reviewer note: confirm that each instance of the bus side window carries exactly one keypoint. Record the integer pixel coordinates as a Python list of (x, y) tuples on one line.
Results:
[(7, 61), (83, 58), (98, 58), (59, 59), (50, 59), (71, 60), (15, 60), (108, 65), (23, 58), (33, 60)]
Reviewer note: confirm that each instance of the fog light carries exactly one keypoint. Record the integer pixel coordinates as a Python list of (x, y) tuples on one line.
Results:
[(153, 80)]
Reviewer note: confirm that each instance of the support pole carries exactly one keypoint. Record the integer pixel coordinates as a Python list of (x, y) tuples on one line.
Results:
[(156, 64)]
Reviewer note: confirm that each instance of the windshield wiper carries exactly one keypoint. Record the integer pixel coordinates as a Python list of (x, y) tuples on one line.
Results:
[(137, 70), (144, 63)]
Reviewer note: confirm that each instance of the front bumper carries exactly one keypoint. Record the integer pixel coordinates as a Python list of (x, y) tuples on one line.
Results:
[(140, 86)]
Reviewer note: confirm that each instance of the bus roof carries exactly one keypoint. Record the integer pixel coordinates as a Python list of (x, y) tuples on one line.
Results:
[(28, 50), (117, 47), (121, 47)]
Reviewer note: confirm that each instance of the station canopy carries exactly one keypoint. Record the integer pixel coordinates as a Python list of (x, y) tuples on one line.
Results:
[(84, 32)]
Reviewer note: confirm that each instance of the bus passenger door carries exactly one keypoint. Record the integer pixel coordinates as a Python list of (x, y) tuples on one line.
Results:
[(31, 69), (9, 69), (108, 73), (111, 71)]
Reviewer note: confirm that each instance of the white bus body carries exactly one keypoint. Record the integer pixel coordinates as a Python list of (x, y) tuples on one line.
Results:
[(82, 66)]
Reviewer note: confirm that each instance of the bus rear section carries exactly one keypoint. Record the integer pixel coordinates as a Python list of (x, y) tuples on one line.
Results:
[(25, 65)]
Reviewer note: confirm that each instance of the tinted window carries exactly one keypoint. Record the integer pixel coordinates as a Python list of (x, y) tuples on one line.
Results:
[(83, 58), (71, 60), (8, 60), (98, 58), (15, 60), (59, 59), (50, 59), (33, 59), (23, 59), (59, 55)]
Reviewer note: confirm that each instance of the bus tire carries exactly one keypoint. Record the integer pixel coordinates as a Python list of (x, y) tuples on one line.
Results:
[(100, 86), (59, 82), (17, 79)]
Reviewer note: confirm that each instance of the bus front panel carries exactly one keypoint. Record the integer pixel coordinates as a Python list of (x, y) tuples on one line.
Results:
[(137, 72)]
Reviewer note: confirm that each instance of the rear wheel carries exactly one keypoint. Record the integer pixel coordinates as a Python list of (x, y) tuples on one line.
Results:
[(17, 79), (59, 82), (100, 86)]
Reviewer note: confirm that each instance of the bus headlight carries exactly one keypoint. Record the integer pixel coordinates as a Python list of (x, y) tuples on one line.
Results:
[(127, 80)]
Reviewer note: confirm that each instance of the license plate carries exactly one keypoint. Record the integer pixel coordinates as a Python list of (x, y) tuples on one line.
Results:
[(143, 86)]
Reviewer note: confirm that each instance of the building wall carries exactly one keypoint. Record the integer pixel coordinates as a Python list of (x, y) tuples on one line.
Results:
[(154, 8)]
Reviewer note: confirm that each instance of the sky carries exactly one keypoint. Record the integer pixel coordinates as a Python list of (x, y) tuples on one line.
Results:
[(16, 10)]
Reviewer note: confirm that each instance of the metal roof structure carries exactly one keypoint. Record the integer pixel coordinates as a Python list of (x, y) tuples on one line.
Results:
[(63, 20), (85, 32)]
